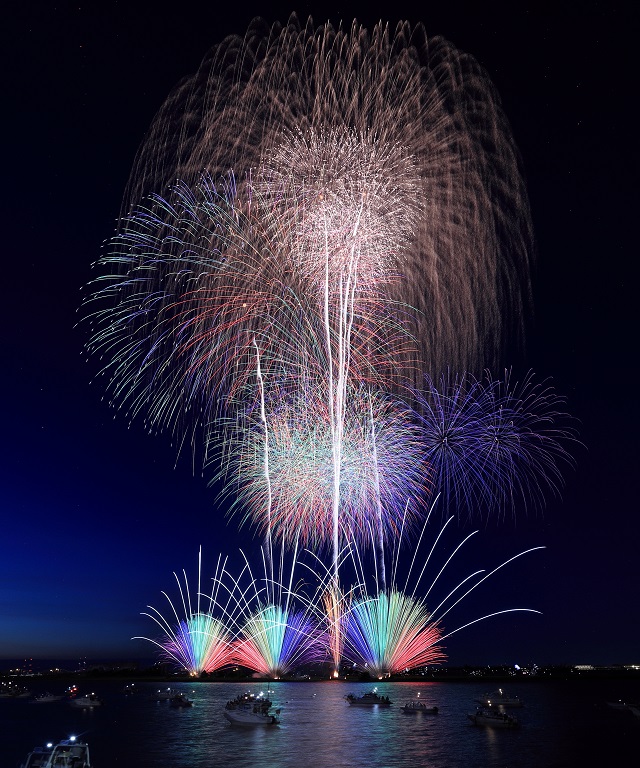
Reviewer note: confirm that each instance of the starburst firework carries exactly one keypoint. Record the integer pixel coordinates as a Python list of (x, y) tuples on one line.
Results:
[(381, 466), (491, 443)]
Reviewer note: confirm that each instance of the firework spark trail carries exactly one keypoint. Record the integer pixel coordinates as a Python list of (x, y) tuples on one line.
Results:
[(267, 477), (378, 500), (410, 103), (492, 443)]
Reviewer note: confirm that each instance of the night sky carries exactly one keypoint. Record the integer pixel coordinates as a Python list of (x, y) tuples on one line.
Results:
[(96, 514)]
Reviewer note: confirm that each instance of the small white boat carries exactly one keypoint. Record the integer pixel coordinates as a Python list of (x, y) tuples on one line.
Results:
[(179, 701), (45, 698), (499, 699), (12, 691), (622, 705), (617, 704), (371, 699), (492, 718), (417, 707), (248, 709), (164, 694), (86, 702), (69, 753)]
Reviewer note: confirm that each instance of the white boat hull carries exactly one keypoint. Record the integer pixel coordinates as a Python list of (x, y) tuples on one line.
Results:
[(493, 720), (238, 717)]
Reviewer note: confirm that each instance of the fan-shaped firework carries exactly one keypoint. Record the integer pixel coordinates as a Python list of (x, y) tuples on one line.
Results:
[(393, 630), (275, 640), (196, 642), (277, 628), (493, 443), (262, 624)]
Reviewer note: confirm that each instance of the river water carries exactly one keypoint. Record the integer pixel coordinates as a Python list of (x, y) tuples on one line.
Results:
[(564, 725)]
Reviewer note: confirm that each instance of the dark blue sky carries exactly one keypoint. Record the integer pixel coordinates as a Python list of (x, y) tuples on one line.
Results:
[(95, 515)]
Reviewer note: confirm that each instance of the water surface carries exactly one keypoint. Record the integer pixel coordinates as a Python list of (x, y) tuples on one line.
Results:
[(564, 725)]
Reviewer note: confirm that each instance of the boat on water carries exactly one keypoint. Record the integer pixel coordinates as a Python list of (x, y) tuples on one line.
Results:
[(622, 705), (14, 692), (45, 698), (499, 699), (86, 702), (249, 709), (164, 694), (11, 690), (179, 701), (417, 707), (492, 718), (371, 699), (68, 753)]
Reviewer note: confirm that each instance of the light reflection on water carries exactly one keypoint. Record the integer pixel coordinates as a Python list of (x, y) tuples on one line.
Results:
[(562, 725)]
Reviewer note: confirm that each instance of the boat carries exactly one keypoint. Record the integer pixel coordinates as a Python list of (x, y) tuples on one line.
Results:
[(45, 698), (166, 694), (86, 702), (617, 704), (371, 699), (417, 707), (249, 709), (622, 705), (179, 701), (68, 753), (492, 718), (499, 699), (11, 690), (37, 758)]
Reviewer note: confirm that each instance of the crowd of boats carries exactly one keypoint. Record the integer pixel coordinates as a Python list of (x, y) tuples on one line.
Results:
[(71, 695), (490, 711), (250, 709)]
